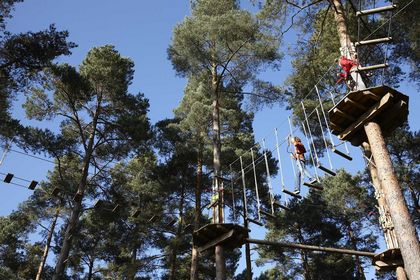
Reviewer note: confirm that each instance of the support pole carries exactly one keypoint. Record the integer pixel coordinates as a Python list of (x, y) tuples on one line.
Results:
[(404, 228), (246, 225), (311, 247)]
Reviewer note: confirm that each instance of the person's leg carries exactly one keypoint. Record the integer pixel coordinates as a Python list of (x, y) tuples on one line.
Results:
[(305, 171), (357, 78), (299, 176)]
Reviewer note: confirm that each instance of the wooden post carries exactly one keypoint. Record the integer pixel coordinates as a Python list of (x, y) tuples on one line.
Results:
[(404, 228), (217, 150), (389, 232)]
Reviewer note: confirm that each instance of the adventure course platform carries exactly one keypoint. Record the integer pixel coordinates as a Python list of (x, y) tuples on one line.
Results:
[(383, 105), (230, 236), (388, 260)]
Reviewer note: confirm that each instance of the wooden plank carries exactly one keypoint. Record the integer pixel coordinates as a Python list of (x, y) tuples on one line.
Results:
[(373, 41), (292, 194), (255, 222), (312, 185), (355, 104), (267, 214), (345, 115), (136, 213), (326, 170), (338, 152), (8, 178), (372, 95), (216, 241), (369, 115), (336, 127), (98, 203), (116, 208), (33, 185), (278, 204), (376, 10), (371, 67)]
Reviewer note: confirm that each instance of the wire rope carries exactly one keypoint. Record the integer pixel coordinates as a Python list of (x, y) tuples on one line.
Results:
[(256, 186)]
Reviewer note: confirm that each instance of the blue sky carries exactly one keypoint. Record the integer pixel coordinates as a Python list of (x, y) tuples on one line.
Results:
[(142, 31)]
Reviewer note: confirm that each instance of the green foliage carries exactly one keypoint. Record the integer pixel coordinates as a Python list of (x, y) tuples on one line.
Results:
[(337, 217), (224, 43)]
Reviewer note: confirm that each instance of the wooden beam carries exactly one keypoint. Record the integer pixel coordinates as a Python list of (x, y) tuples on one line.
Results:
[(347, 116), (33, 185), (8, 178), (292, 194), (355, 104), (340, 153), (366, 117), (371, 67), (326, 170), (216, 241), (376, 10), (254, 222), (371, 95), (311, 247), (373, 41), (336, 127)]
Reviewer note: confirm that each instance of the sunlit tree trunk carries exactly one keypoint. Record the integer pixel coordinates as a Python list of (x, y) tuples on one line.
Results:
[(48, 244)]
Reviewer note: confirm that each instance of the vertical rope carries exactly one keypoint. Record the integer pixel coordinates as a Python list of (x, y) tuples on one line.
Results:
[(310, 152), (268, 178), (256, 185), (233, 193), (323, 137), (310, 132), (278, 156), (244, 189), (288, 143), (325, 116)]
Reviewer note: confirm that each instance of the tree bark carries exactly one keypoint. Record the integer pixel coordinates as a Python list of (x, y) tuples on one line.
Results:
[(197, 215), (47, 245), (386, 223), (388, 229), (75, 213), (404, 228), (218, 209)]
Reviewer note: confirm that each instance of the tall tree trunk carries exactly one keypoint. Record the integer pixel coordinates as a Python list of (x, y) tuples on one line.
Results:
[(77, 208), (404, 228), (178, 235), (303, 255), (218, 209), (90, 272), (384, 214), (359, 269), (48, 244), (197, 214)]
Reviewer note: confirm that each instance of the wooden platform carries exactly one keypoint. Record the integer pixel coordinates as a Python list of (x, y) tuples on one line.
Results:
[(230, 236), (384, 105), (388, 260)]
